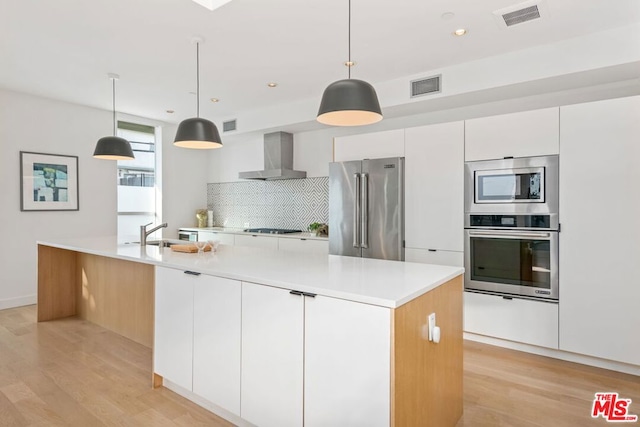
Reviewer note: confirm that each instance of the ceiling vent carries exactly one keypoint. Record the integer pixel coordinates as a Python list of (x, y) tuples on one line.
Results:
[(229, 126), (426, 86), (520, 13)]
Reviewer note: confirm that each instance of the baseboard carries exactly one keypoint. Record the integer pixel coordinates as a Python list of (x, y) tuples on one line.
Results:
[(18, 302), (211, 407), (556, 354)]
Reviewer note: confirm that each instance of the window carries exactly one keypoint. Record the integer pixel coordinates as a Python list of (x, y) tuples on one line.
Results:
[(136, 181)]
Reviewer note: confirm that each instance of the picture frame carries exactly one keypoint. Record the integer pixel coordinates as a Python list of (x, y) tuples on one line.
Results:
[(48, 182)]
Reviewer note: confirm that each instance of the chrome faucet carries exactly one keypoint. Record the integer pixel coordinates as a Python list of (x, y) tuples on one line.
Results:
[(144, 233)]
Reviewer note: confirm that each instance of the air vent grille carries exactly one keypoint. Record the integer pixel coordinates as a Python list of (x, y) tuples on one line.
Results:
[(426, 86), (229, 126), (523, 15)]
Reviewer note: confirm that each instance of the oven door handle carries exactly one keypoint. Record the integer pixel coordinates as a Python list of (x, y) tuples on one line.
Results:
[(510, 234)]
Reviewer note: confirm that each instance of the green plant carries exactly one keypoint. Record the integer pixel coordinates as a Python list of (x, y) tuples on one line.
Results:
[(315, 226)]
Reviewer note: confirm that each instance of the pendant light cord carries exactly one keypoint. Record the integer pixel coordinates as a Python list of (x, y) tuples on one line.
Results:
[(114, 107), (198, 79), (349, 67)]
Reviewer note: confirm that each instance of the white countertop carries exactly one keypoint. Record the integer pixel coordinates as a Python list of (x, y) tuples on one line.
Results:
[(371, 281), (230, 230)]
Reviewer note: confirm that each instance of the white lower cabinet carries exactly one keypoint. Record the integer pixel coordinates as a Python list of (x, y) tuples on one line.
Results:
[(216, 341), (426, 256), (223, 238), (173, 331), (303, 245), (272, 356), (525, 321), (256, 241), (347, 367)]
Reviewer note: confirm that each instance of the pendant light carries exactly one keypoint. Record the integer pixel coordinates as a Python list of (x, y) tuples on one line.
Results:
[(349, 102), (113, 147), (197, 132)]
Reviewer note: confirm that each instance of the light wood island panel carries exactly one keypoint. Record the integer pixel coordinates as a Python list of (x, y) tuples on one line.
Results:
[(427, 377), (112, 293)]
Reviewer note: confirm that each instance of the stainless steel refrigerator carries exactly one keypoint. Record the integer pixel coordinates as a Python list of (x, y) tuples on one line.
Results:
[(366, 208)]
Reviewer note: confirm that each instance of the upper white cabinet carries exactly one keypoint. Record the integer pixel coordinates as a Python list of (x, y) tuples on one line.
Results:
[(223, 238), (347, 363), (173, 339), (599, 242), (529, 133), (377, 145), (216, 341), (272, 356), (256, 241), (434, 179), (303, 245)]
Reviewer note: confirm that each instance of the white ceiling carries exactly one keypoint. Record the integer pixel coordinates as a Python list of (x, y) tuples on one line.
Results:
[(64, 49)]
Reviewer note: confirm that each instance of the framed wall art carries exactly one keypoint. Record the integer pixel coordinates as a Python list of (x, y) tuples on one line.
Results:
[(48, 182)]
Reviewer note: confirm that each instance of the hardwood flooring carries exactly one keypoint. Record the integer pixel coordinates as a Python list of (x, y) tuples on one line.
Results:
[(73, 373)]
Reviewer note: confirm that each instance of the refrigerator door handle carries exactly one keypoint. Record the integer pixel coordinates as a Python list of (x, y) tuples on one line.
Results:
[(364, 208), (356, 211)]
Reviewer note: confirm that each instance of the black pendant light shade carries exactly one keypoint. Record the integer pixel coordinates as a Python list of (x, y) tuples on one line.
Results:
[(113, 147), (197, 132), (349, 102)]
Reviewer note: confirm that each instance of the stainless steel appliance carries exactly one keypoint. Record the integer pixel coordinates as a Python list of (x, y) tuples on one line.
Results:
[(188, 235), (271, 230), (511, 227), (366, 208)]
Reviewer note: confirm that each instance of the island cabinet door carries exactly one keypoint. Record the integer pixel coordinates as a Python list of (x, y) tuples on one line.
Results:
[(173, 343), (272, 356), (216, 341), (347, 363)]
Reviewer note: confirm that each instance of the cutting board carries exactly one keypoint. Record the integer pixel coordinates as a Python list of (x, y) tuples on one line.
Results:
[(188, 248)]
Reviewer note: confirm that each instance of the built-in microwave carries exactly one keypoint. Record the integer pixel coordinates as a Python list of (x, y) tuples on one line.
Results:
[(525, 186)]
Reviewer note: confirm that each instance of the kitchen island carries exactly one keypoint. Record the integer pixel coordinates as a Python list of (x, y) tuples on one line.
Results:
[(274, 337)]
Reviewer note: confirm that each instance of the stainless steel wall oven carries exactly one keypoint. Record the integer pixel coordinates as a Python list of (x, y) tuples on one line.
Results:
[(511, 227)]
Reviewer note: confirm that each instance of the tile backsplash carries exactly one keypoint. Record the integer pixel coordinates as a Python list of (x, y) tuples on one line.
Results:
[(289, 203)]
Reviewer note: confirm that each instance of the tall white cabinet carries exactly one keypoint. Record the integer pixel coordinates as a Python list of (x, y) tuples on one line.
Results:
[(599, 242), (434, 162), (376, 145)]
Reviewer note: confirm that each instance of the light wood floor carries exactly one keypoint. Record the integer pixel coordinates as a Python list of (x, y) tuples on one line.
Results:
[(73, 373)]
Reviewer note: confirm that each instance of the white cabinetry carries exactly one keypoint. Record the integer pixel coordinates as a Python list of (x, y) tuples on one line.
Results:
[(529, 322), (375, 145), (434, 159), (173, 339), (599, 249), (427, 256), (272, 356), (216, 341), (223, 238), (303, 245), (256, 241), (529, 133), (347, 363)]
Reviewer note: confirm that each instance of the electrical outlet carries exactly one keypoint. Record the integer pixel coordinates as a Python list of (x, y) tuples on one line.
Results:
[(431, 321), (246, 225)]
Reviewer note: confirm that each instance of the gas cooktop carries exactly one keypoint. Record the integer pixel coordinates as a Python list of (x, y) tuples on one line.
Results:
[(271, 230)]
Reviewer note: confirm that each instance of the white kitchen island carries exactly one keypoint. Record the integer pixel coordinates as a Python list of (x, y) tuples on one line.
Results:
[(274, 338)]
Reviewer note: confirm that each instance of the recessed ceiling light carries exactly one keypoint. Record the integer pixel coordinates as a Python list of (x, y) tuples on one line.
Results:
[(170, 111), (460, 32), (272, 84), (215, 100)]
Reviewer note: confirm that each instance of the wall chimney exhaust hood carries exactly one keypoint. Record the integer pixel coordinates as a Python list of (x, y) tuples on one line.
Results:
[(278, 159)]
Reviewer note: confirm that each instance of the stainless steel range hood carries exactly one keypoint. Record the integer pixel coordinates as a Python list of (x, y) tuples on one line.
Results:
[(278, 159)]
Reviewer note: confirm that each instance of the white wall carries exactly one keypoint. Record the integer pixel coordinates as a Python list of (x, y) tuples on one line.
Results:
[(29, 123), (184, 183)]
